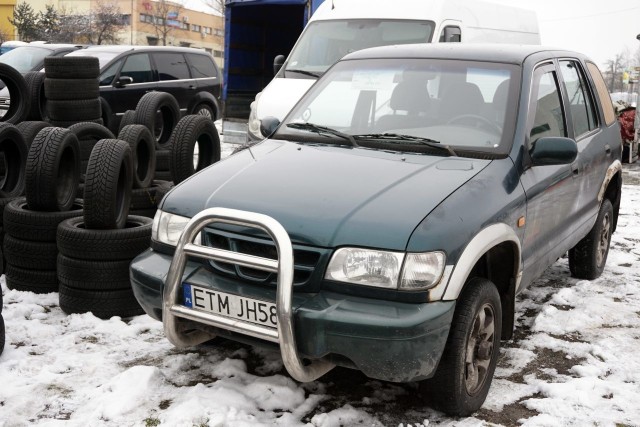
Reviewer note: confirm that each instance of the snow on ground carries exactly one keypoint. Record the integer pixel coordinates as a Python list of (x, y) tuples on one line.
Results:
[(574, 361)]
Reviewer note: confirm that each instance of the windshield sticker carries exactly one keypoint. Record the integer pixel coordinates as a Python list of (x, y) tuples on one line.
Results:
[(306, 115), (372, 80)]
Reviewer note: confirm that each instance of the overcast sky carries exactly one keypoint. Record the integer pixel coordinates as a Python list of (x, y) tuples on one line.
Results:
[(598, 28)]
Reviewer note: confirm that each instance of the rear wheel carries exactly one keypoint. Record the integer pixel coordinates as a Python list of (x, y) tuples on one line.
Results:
[(461, 383), (588, 258), (204, 110)]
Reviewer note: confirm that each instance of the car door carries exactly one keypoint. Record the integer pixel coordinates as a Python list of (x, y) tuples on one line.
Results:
[(550, 190), (174, 77), (121, 95)]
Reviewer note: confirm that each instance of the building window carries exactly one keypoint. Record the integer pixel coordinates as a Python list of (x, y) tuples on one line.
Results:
[(185, 44), (184, 26), (219, 32), (152, 41), (217, 54), (195, 28), (207, 30)]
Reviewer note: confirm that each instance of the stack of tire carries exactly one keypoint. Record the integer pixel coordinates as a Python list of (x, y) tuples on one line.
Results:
[(97, 248), (88, 135), (72, 90), (31, 222)]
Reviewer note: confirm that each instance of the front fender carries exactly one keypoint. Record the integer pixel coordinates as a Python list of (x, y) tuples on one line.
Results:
[(207, 98)]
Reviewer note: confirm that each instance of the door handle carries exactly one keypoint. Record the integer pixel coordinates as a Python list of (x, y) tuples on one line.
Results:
[(607, 149), (192, 87)]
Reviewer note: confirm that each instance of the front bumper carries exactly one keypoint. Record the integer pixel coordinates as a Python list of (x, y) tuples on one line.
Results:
[(386, 340)]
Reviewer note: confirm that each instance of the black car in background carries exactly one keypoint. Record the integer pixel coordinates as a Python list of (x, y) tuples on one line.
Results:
[(128, 72)]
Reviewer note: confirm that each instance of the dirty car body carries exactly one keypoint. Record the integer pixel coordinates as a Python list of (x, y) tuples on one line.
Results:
[(421, 188)]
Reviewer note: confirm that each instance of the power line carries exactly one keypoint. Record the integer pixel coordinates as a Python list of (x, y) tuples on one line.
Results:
[(591, 16)]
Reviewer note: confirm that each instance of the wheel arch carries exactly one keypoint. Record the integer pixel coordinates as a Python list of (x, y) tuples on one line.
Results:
[(612, 189), (206, 98)]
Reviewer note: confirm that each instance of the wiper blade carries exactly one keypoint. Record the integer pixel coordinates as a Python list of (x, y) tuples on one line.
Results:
[(432, 143), (305, 72), (323, 129)]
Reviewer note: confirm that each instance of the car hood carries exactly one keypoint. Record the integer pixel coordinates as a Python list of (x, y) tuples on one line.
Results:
[(328, 196), (280, 95)]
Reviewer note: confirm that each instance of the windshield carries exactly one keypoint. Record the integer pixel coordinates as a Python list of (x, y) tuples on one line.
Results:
[(466, 106), (103, 57), (25, 58), (323, 43)]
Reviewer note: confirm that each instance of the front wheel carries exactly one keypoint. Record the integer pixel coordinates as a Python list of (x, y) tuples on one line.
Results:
[(588, 258), (461, 383)]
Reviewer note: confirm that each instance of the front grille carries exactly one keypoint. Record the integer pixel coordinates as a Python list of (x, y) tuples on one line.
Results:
[(306, 259)]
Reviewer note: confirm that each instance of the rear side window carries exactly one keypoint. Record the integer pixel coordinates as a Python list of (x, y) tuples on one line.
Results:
[(201, 66), (580, 102), (138, 67), (603, 94), (171, 66)]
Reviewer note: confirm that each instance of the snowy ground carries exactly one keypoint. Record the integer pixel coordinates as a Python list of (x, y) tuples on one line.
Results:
[(574, 361)]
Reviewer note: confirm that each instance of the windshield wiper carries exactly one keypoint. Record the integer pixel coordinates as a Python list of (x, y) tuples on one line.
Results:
[(323, 129), (432, 143), (305, 72)]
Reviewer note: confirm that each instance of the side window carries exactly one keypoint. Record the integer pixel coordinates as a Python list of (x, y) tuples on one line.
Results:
[(547, 107), (580, 103), (201, 66), (450, 34), (171, 66), (603, 94), (138, 67), (106, 78)]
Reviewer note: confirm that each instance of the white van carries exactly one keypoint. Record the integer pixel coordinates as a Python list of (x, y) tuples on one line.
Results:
[(342, 26)]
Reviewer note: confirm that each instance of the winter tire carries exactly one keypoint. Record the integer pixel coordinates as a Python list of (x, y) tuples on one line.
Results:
[(107, 186), (71, 67), (93, 275), (29, 280), (29, 130), (588, 258), (26, 224), (195, 144), (462, 380), (163, 160), (77, 241), (163, 176), (79, 110), (103, 304), (18, 93), (14, 148), (68, 123), (4, 201), (53, 170), (71, 89), (30, 255), (128, 118), (88, 134), (144, 153), (162, 190), (145, 198), (159, 112), (149, 213), (37, 99), (108, 119)]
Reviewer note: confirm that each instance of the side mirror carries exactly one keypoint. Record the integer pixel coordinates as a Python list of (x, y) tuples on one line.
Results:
[(268, 126), (123, 81), (553, 150), (278, 62)]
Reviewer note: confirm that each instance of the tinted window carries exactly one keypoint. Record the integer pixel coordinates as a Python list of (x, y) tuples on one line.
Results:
[(603, 94), (106, 78), (201, 66), (138, 67), (171, 66), (580, 104), (549, 120)]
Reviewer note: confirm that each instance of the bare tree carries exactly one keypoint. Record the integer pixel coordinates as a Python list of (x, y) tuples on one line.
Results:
[(73, 27), (614, 69), (216, 5), (165, 15), (106, 21)]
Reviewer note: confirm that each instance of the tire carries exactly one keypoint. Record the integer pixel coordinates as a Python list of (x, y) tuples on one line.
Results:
[(163, 176), (163, 160), (162, 190), (71, 67), (30, 255), (88, 134), (205, 110), (103, 304), (77, 241), (144, 153), (71, 89), (93, 275), (14, 148), (450, 390), (36, 281), (30, 129), (69, 123), (161, 125), (149, 213), (53, 170), (588, 258), (128, 118), (107, 186), (4, 201), (37, 99), (18, 93), (144, 198), (35, 226), (108, 119), (193, 131), (78, 110), (2, 334)]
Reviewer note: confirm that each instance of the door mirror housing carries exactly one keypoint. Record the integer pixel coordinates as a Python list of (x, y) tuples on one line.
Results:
[(278, 62), (553, 150), (123, 81), (268, 125)]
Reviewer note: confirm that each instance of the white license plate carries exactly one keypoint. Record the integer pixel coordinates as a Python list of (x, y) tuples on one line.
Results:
[(230, 305)]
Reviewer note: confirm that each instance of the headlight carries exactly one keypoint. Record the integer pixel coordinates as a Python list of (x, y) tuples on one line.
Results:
[(253, 127), (385, 269), (167, 227)]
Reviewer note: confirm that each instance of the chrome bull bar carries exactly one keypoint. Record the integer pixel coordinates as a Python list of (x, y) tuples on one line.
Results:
[(172, 311)]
